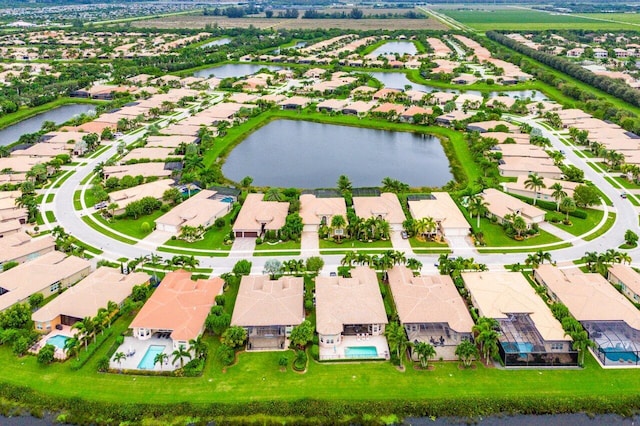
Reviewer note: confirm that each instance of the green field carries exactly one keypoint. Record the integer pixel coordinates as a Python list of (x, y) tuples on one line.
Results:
[(485, 18)]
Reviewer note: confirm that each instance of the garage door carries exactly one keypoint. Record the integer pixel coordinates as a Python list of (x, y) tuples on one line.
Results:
[(242, 234)]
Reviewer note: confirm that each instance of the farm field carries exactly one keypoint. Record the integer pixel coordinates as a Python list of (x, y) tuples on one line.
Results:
[(199, 21), (485, 18)]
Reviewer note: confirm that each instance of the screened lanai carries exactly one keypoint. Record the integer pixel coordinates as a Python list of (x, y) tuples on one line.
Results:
[(617, 342)]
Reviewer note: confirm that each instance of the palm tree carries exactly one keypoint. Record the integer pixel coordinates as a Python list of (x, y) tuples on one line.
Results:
[(344, 184), (179, 355), (519, 225), (425, 352), (112, 307), (487, 337), (198, 347), (466, 352), (85, 329), (543, 255), (397, 339), (414, 264), (532, 260), (338, 223), (567, 205), (535, 183), (72, 347), (477, 207), (119, 357), (558, 193), (273, 194), (581, 343), (160, 358), (349, 258)]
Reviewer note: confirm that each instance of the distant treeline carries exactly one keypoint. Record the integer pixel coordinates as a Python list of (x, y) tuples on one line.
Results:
[(356, 13)]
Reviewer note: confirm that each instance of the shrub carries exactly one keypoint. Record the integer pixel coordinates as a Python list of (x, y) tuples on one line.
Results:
[(220, 300), (8, 265), (20, 346), (300, 361), (103, 364), (193, 368), (308, 305), (145, 227), (219, 223), (258, 241), (315, 352), (46, 354), (225, 355)]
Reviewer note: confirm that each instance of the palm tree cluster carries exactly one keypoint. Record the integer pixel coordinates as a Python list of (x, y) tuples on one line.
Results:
[(573, 329), (423, 228), (600, 262), (453, 266), (536, 259), (386, 260), (394, 185), (367, 229), (486, 337), (425, 352), (87, 329), (398, 340)]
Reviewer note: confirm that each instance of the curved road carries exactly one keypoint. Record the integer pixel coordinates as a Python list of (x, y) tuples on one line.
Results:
[(626, 218)]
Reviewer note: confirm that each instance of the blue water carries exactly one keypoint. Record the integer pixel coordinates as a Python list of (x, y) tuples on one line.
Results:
[(618, 353), (361, 352), (58, 341), (227, 200), (147, 360), (518, 347)]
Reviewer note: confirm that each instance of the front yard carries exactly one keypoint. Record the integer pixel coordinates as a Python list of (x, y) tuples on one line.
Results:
[(131, 227), (348, 245), (282, 248)]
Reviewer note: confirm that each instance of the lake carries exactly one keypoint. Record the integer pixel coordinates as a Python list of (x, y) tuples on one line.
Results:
[(218, 42), (302, 154), (233, 70), (398, 80), (59, 115), (393, 47)]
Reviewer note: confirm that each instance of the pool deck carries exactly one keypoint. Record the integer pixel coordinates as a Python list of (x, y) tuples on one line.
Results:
[(137, 348), (59, 353), (613, 364), (338, 351)]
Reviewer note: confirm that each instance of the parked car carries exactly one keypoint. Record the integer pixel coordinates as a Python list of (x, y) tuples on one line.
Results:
[(100, 205), (404, 235), (623, 195)]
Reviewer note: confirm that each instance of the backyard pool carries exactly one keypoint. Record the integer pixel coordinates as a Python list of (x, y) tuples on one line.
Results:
[(227, 200), (361, 352), (517, 347), (58, 341), (618, 354), (148, 360)]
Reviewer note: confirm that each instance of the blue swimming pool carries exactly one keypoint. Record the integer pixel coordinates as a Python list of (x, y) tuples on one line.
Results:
[(517, 347), (619, 354), (361, 352), (147, 362), (58, 341), (227, 200)]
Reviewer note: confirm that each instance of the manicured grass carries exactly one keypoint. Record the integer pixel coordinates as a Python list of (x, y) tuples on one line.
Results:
[(582, 226), (76, 200), (50, 216), (191, 253), (213, 239), (89, 199), (62, 179), (284, 248), (50, 198), (89, 248), (487, 18), (131, 227), (95, 226), (352, 245), (494, 236), (257, 377), (625, 183), (426, 247)]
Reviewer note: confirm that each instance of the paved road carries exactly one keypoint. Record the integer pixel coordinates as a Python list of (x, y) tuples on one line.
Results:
[(627, 218)]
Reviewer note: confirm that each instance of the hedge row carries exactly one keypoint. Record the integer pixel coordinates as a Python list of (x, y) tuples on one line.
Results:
[(82, 411)]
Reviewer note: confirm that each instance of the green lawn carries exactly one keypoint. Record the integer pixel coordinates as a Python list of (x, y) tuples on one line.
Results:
[(427, 247), (284, 248), (76, 200), (582, 226), (487, 18), (50, 216), (50, 198), (62, 179), (106, 232), (352, 245), (213, 240), (625, 183), (131, 227), (494, 236)]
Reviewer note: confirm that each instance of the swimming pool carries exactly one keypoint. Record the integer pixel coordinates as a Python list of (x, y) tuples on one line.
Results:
[(517, 347), (147, 362), (361, 352), (227, 200), (618, 354), (58, 341)]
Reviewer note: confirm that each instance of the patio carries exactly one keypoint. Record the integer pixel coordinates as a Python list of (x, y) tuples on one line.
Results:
[(60, 330), (339, 351), (136, 349)]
